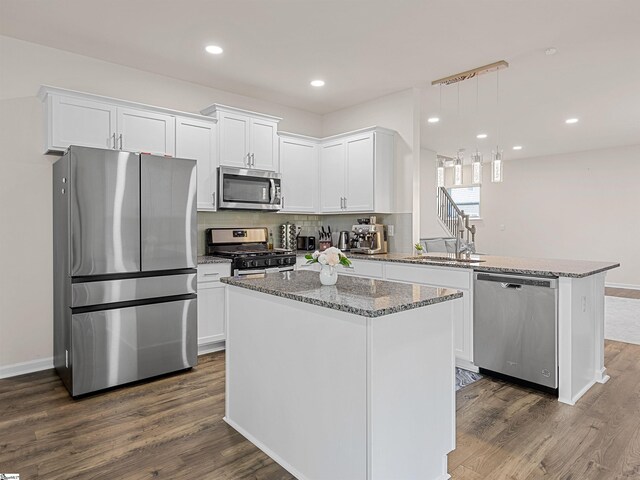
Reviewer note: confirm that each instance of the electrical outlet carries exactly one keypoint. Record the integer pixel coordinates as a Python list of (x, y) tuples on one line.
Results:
[(391, 230), (502, 226)]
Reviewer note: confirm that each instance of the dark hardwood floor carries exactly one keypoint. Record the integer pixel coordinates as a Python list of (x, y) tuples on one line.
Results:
[(172, 428)]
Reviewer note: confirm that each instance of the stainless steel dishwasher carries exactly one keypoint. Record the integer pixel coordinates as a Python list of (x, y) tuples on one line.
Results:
[(515, 327)]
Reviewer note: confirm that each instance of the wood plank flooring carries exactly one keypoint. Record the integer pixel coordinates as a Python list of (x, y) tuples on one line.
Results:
[(172, 428), (622, 292)]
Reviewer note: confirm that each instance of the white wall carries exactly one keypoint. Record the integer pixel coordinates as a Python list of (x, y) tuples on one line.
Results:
[(25, 196), (580, 206)]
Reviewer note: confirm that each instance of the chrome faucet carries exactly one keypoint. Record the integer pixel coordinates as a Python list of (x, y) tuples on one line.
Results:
[(460, 244)]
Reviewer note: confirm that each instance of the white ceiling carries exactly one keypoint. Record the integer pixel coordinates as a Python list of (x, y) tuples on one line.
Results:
[(368, 48)]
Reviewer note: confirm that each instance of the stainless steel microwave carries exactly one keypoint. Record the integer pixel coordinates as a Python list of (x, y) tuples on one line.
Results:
[(243, 188)]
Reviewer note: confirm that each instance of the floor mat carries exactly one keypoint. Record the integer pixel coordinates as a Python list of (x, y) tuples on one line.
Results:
[(622, 319)]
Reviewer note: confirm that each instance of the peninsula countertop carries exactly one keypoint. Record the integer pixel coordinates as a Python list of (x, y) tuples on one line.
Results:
[(545, 267), (359, 296)]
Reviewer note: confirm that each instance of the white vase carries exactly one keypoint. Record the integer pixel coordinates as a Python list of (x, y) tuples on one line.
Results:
[(328, 275)]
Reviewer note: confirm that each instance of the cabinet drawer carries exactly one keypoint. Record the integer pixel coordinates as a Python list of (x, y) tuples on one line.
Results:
[(364, 268), (212, 272), (436, 276)]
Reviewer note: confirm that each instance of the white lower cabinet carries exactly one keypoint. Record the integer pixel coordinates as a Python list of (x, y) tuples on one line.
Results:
[(211, 305), (456, 278), (364, 268)]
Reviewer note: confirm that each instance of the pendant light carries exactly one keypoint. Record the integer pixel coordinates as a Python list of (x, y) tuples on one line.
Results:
[(440, 173), (459, 161), (476, 168), (476, 158), (496, 162), (457, 168), (440, 181)]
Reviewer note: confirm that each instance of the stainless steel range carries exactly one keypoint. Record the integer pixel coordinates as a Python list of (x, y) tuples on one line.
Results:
[(248, 250)]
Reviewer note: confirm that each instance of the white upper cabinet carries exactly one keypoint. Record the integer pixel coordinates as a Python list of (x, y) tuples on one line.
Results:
[(77, 118), (332, 171), (359, 173), (196, 139), (144, 131), (246, 139), (77, 121), (235, 133), (299, 170), (356, 172)]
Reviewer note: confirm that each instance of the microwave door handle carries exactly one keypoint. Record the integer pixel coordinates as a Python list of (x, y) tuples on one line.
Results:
[(272, 191)]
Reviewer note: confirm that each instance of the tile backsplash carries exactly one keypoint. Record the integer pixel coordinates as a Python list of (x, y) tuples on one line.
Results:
[(310, 224)]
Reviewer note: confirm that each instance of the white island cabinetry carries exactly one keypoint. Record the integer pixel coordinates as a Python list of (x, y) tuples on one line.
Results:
[(460, 279), (338, 386)]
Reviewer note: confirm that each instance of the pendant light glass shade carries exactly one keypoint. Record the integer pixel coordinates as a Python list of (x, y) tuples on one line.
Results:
[(476, 168), (496, 166), (440, 173), (457, 168)]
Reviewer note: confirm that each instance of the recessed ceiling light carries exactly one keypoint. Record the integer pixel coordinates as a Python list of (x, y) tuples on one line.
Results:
[(481, 135), (214, 49), (317, 83), (551, 51), (571, 120), (517, 147), (433, 119)]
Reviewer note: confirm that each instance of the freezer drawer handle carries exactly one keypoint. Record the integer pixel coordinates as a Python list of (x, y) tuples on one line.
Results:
[(513, 286)]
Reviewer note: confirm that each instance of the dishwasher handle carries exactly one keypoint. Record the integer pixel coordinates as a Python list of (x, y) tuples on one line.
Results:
[(515, 282)]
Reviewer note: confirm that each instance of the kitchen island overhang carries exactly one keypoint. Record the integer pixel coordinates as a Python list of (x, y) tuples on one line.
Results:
[(351, 381)]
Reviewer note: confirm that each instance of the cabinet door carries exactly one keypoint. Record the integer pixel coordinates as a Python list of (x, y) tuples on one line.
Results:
[(147, 132), (359, 173), (211, 312), (264, 144), (75, 121), (331, 175), (299, 169), (196, 139), (234, 139)]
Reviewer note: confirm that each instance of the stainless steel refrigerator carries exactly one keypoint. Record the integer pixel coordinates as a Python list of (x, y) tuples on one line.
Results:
[(125, 253)]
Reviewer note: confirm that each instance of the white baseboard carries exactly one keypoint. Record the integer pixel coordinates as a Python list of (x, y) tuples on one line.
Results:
[(276, 458), (47, 363), (622, 285), (211, 347), (26, 367), (466, 365)]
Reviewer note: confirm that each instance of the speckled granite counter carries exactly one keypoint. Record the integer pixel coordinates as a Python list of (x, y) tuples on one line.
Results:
[(360, 296), (212, 259), (489, 263)]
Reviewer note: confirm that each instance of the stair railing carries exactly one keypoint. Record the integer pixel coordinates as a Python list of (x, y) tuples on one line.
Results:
[(451, 217)]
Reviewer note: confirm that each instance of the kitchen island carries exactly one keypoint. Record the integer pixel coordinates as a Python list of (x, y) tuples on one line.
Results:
[(580, 304), (352, 381)]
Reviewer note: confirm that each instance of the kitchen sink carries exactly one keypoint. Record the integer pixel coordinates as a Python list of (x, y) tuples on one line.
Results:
[(445, 259)]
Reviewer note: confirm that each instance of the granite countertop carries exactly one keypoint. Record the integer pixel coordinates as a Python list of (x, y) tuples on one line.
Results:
[(359, 296), (212, 259), (545, 267)]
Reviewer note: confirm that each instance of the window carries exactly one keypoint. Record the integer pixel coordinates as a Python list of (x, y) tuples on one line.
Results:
[(467, 199)]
